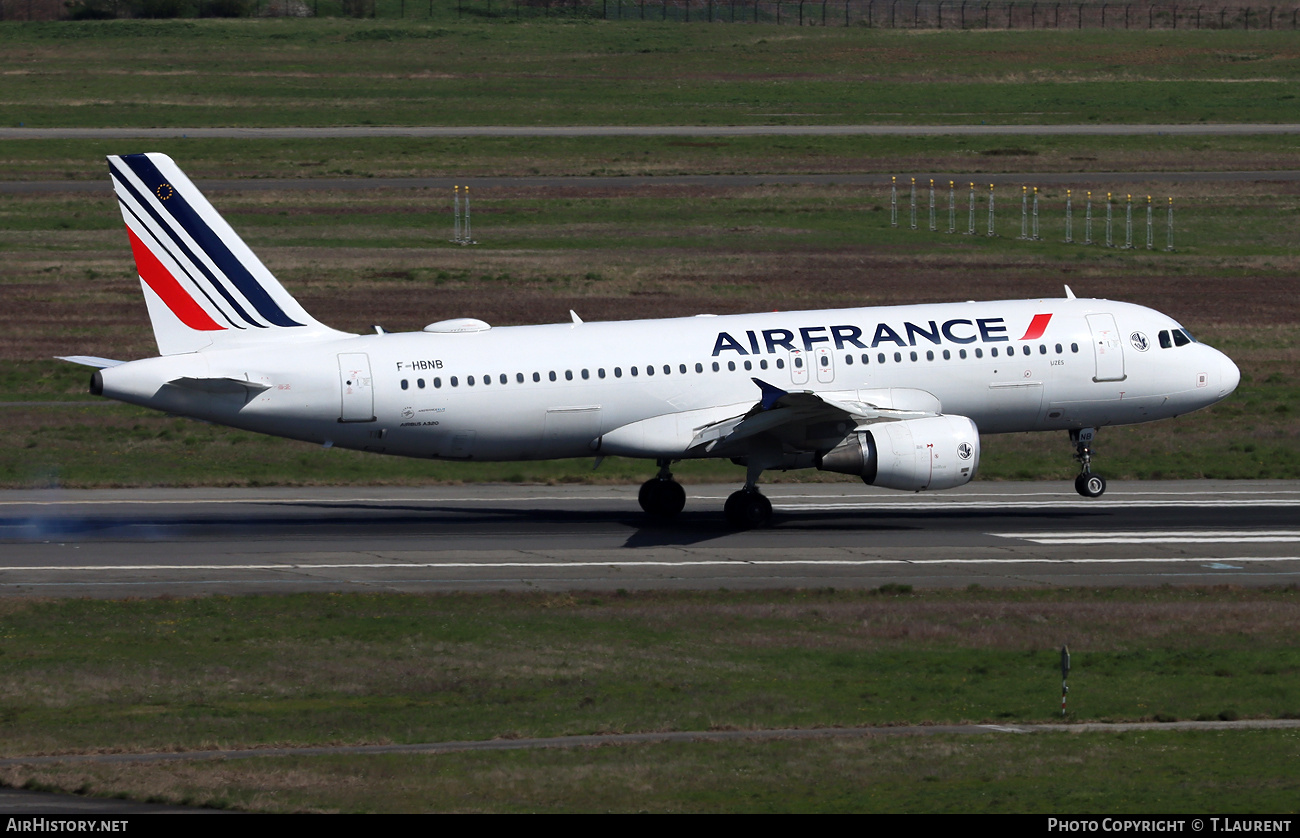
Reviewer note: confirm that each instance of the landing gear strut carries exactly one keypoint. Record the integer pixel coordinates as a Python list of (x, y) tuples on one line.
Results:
[(661, 496), (1087, 484)]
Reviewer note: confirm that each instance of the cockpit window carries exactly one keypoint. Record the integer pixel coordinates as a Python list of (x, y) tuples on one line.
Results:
[(1180, 338), (1165, 341)]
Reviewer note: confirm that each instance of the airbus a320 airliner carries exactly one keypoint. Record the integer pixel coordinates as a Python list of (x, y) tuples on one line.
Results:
[(897, 396)]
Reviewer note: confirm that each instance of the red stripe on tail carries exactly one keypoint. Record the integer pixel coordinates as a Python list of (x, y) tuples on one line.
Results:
[(1037, 326), (157, 277)]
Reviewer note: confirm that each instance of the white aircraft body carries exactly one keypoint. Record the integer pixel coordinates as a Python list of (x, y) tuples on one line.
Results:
[(897, 395)]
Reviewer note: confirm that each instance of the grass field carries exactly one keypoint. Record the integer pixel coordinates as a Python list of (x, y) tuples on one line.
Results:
[(347, 72), (84, 675)]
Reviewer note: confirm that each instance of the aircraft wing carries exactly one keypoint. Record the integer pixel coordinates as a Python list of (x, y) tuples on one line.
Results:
[(804, 420)]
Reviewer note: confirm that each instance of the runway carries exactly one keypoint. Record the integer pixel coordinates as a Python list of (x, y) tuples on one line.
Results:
[(118, 543)]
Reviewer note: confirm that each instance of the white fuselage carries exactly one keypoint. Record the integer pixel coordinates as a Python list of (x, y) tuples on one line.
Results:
[(535, 392)]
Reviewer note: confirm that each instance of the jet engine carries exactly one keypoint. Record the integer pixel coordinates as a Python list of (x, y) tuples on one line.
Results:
[(937, 452)]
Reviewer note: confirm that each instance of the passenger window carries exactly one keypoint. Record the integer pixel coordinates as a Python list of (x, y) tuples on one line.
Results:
[(979, 353), (848, 360), (731, 366), (681, 368), (668, 369), (649, 369), (762, 365), (519, 378), (898, 357), (504, 379), (994, 352), (961, 353), (715, 366), (487, 379), (1058, 349), (798, 362), (780, 363), (537, 376), (419, 382), (749, 365), (454, 382), (880, 357), (585, 375), (866, 359), (469, 379), (437, 384), (913, 355), (405, 384), (1074, 347), (600, 372), (826, 360), (568, 375), (947, 356), (551, 375), (634, 371), (618, 372), (929, 355), (1042, 349), (699, 368), (1025, 350)]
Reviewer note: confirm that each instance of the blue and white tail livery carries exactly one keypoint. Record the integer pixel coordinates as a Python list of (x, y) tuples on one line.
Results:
[(897, 396), (203, 285)]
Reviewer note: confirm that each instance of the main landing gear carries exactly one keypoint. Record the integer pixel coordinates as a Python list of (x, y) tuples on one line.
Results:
[(661, 496), (1087, 484), (748, 509)]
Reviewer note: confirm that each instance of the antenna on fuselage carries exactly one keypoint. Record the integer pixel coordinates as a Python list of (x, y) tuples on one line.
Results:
[(1069, 295)]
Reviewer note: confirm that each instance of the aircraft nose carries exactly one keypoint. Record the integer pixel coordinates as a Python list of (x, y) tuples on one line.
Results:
[(1229, 376)]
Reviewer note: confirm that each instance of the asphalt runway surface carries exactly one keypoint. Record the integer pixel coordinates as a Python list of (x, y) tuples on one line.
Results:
[(118, 543)]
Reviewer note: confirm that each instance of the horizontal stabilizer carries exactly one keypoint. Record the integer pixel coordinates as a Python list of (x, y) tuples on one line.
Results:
[(90, 361)]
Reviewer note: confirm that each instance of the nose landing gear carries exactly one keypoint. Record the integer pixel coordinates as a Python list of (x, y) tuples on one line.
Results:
[(1087, 484)]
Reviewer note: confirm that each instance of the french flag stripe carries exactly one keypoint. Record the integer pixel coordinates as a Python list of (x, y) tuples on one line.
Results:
[(157, 247), (157, 277), (1037, 326)]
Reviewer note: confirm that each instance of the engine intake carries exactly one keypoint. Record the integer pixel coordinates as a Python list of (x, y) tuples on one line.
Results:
[(938, 452)]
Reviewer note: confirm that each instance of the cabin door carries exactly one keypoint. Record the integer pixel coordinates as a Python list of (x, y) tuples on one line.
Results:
[(357, 387), (1107, 348)]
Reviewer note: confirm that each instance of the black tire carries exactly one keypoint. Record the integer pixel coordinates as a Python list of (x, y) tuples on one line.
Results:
[(1090, 485), (662, 498), (747, 510)]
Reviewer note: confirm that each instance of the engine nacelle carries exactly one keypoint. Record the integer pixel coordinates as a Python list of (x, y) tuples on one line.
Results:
[(938, 452)]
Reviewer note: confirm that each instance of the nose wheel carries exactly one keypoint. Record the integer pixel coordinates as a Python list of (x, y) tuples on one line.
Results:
[(1090, 485), (1087, 484)]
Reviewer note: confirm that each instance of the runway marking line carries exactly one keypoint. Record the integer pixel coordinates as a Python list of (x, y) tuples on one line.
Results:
[(1158, 537)]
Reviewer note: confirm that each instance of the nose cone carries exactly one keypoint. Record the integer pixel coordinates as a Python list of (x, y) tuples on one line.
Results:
[(1229, 376)]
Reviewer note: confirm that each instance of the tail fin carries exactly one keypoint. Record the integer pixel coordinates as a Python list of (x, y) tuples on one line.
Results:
[(203, 286)]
